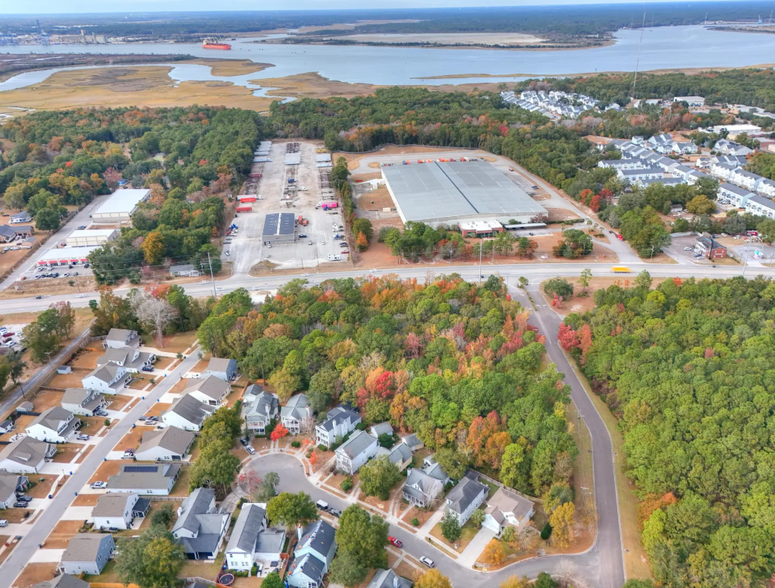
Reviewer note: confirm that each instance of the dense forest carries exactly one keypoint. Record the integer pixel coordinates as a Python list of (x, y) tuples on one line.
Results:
[(453, 362), (687, 368)]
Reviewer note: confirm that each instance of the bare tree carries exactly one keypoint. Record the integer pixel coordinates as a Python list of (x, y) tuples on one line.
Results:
[(154, 311)]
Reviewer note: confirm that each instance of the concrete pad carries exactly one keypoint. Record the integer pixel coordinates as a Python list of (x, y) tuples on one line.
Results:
[(77, 513), (47, 556)]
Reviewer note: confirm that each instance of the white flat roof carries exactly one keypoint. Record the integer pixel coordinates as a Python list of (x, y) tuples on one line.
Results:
[(123, 201), (91, 233), (58, 253)]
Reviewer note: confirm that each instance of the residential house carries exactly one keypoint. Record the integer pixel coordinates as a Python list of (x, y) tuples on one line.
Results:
[(63, 581), (87, 553), (723, 171), (156, 479), (7, 426), (400, 455), (54, 425), (187, 413), (225, 369), (634, 176), (355, 452), (82, 401), (7, 234), (20, 218), (727, 147), (507, 508), (466, 497), (617, 164), (23, 231), (423, 485), (169, 444), (340, 421), (241, 549), (381, 429), (199, 528), (744, 178), (118, 338), (295, 413), (432, 468), (766, 188), (735, 195), (389, 579), (690, 100), (259, 408), (184, 271), (210, 390), (761, 206), (694, 176), (26, 456), (666, 144), (119, 510), (412, 442), (128, 358), (10, 484), (108, 379), (313, 555)]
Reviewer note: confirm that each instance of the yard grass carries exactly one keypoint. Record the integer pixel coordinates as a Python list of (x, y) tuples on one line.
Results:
[(41, 489), (21, 423), (177, 343), (469, 531), (201, 569), (15, 515), (420, 514), (35, 573), (108, 574), (46, 399), (406, 570), (91, 425), (118, 401), (163, 362), (636, 563), (583, 473), (86, 358), (86, 499), (181, 486), (61, 534), (8, 550), (158, 408), (139, 382)]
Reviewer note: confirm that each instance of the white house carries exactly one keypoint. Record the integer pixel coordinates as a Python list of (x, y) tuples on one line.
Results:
[(507, 508), (225, 369), (129, 358), (22, 217), (690, 100), (210, 390), (82, 401), (54, 425), (118, 338), (727, 147), (735, 195), (761, 206), (634, 176), (187, 413), (465, 498), (722, 170), (26, 456), (241, 549), (295, 413), (339, 422), (744, 178), (259, 408), (169, 444), (766, 187), (313, 555), (118, 510), (355, 452), (200, 528), (154, 479), (108, 379), (10, 484), (87, 553)]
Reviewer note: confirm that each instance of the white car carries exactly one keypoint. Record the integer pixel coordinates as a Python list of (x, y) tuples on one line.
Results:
[(83, 437), (427, 562), (99, 485)]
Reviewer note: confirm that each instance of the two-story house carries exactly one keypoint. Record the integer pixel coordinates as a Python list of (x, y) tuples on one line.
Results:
[(355, 452), (259, 408), (339, 422), (121, 338), (295, 413), (421, 489), (466, 497), (10, 484), (187, 413), (507, 508), (313, 555), (118, 510), (223, 369), (128, 358), (54, 425), (241, 548), (26, 456), (169, 444), (108, 379), (87, 553), (81, 401), (210, 390), (199, 528), (733, 194)]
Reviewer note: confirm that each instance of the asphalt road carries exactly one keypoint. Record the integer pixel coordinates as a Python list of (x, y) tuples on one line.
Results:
[(41, 528), (293, 479)]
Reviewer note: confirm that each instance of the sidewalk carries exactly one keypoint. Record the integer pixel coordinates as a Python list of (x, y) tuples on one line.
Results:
[(474, 549)]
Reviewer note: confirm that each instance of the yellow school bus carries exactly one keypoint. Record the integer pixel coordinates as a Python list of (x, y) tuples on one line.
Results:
[(620, 269)]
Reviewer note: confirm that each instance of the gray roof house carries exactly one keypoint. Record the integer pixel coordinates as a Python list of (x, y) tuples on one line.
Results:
[(389, 579), (20, 217), (169, 444), (63, 581), (54, 425), (25, 456), (412, 442), (241, 548), (187, 413), (507, 507), (400, 455), (465, 498), (121, 338), (295, 412), (313, 555), (355, 452), (259, 408), (156, 479), (185, 270), (7, 233), (108, 379), (10, 484), (381, 429), (82, 401), (199, 528), (339, 421), (225, 369), (421, 489), (118, 510), (87, 553), (431, 467), (211, 390), (127, 357)]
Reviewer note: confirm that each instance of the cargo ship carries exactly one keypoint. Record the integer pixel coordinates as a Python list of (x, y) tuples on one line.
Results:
[(213, 43)]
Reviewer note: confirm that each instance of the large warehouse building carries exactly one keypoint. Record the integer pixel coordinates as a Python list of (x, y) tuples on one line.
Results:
[(86, 237), (120, 206), (65, 255), (279, 228), (450, 192)]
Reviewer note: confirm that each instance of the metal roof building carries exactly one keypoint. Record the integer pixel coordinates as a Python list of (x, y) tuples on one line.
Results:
[(449, 192), (86, 237), (65, 255), (120, 206), (279, 228)]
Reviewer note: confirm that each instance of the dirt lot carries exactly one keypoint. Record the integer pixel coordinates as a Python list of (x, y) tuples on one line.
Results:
[(118, 401), (9, 259), (91, 425), (581, 304), (177, 343), (375, 200), (48, 287), (132, 439), (41, 489), (15, 515), (419, 514), (106, 469), (87, 358), (163, 362), (35, 573), (139, 382), (21, 424), (71, 380), (46, 399), (86, 499), (201, 365), (158, 408), (66, 452), (61, 534)]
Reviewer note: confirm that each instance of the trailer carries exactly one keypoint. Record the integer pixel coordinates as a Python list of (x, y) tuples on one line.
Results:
[(255, 176), (244, 208), (247, 198), (329, 204)]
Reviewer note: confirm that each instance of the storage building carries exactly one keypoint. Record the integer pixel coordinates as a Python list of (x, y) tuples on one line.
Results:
[(279, 228), (66, 255), (86, 237), (120, 206)]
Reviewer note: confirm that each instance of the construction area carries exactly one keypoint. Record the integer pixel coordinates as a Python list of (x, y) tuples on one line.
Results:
[(287, 216)]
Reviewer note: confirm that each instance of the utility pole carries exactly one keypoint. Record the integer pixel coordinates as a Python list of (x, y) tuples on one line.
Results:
[(480, 262), (212, 278)]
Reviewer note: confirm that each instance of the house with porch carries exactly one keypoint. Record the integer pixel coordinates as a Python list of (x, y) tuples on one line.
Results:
[(200, 528)]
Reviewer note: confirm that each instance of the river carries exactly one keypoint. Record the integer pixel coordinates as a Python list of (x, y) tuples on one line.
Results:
[(661, 48)]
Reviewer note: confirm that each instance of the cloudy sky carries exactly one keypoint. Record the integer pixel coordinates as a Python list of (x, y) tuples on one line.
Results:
[(91, 6)]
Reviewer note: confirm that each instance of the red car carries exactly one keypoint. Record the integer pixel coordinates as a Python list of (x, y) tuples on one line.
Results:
[(395, 541)]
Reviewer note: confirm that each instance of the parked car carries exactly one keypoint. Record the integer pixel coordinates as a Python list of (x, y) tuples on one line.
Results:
[(322, 505), (3, 523), (99, 485), (101, 412), (82, 227), (335, 511), (688, 248), (24, 498), (20, 505), (250, 450), (147, 368), (395, 541), (244, 442), (83, 437), (426, 561)]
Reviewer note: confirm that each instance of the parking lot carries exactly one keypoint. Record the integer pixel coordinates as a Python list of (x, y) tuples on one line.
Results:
[(11, 335), (275, 194)]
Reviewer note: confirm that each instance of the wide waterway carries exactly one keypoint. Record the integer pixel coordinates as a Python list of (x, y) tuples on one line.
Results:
[(661, 48)]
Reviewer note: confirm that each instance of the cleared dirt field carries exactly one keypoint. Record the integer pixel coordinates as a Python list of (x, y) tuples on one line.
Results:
[(118, 401), (90, 425), (71, 380), (48, 287), (61, 534), (132, 439), (41, 489), (163, 363), (16, 515), (177, 343), (21, 423), (106, 469), (46, 399), (580, 304), (86, 499), (66, 452), (87, 358), (35, 573), (158, 408)]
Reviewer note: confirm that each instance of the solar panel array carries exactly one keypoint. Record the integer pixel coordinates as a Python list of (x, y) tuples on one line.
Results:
[(141, 469)]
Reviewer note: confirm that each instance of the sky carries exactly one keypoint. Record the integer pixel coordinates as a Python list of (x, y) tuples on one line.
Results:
[(93, 6)]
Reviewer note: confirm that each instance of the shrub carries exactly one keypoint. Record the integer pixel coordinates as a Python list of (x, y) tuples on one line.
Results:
[(415, 523), (322, 447), (295, 444), (546, 532), (347, 484)]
